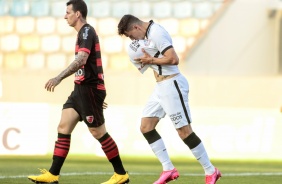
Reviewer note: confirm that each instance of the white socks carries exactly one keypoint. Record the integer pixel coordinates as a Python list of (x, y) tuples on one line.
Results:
[(199, 152), (160, 151), (201, 155)]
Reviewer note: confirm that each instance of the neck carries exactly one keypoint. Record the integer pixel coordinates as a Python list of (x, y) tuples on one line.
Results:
[(143, 28), (79, 24), (145, 25)]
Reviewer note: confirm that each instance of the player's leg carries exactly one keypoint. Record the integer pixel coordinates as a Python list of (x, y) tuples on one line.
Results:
[(197, 148), (175, 103), (69, 119), (110, 149), (93, 116), (67, 124), (156, 142), (152, 113), (157, 145)]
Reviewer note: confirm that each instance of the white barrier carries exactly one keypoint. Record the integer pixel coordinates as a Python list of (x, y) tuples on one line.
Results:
[(227, 133), (23, 128)]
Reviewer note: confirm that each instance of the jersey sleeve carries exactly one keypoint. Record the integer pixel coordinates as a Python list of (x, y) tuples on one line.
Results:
[(162, 39), (87, 38)]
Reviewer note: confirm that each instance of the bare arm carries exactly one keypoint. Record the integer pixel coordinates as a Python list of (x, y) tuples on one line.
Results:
[(71, 69)]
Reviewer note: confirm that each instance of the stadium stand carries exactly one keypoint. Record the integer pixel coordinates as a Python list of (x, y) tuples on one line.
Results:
[(37, 33)]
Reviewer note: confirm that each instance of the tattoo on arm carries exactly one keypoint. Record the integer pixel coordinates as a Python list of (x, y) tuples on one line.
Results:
[(74, 66)]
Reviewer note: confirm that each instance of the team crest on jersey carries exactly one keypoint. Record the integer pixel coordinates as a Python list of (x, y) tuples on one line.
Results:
[(134, 45), (90, 119), (85, 34), (147, 42)]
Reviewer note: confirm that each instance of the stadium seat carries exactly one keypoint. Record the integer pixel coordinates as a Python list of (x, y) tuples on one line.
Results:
[(14, 60), (165, 8), (171, 25), (58, 9), (7, 25), (104, 25), (62, 27), (182, 9), (39, 8), (19, 8), (100, 9), (119, 62), (189, 27), (120, 8), (4, 7), (203, 10), (30, 43), (179, 43), (112, 44), (68, 43), (13, 40), (21, 23), (35, 61), (56, 61), (141, 9), (51, 43), (45, 25)]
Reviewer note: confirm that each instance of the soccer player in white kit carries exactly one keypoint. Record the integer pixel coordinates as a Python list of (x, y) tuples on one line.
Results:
[(152, 47)]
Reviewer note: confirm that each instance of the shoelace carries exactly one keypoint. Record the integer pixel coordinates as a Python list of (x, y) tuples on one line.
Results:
[(43, 171)]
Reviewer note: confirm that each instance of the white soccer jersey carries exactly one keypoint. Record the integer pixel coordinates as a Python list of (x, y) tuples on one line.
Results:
[(157, 42), (135, 51), (170, 96)]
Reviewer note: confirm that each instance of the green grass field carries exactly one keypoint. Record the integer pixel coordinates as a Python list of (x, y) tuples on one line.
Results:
[(94, 170)]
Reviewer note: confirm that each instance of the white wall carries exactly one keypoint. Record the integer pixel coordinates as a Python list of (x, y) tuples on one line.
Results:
[(235, 64), (241, 42), (227, 133)]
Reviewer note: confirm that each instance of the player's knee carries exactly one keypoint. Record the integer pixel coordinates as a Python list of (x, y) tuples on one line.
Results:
[(97, 133), (143, 129), (183, 135), (148, 124), (184, 132), (63, 129)]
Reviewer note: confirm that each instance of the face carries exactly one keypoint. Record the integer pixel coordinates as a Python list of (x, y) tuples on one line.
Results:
[(71, 16), (135, 33)]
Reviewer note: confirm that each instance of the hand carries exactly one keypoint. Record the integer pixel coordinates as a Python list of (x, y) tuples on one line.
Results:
[(51, 84), (105, 105), (145, 59)]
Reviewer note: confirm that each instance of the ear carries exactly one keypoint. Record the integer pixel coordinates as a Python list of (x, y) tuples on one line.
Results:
[(77, 14)]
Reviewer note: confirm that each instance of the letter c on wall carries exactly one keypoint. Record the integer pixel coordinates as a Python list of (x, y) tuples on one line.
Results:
[(5, 139)]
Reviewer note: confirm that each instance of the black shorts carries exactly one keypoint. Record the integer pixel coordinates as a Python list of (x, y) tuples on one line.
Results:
[(88, 103)]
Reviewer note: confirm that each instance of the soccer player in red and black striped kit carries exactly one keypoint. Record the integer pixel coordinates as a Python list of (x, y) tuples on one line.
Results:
[(86, 102)]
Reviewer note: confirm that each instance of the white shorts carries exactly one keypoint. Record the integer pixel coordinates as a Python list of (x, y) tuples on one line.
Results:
[(170, 97)]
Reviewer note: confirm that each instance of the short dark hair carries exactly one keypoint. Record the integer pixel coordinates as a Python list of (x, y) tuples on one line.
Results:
[(79, 5), (126, 22)]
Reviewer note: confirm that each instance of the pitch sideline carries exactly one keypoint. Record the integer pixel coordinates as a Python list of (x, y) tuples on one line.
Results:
[(141, 174)]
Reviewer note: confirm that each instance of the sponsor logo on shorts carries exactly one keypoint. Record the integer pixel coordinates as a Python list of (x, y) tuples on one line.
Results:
[(176, 118), (90, 119), (177, 122)]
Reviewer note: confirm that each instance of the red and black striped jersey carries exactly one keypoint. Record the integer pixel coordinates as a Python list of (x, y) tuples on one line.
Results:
[(92, 72)]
